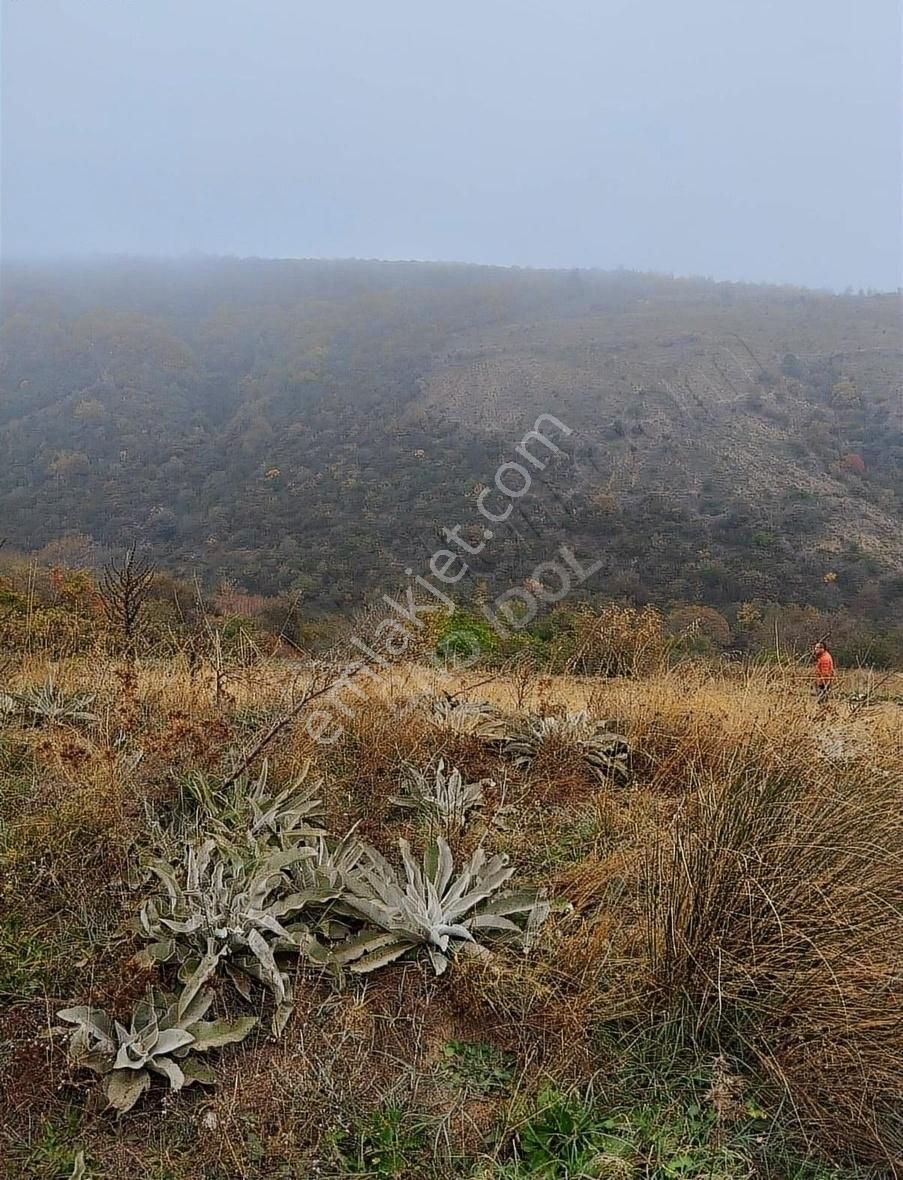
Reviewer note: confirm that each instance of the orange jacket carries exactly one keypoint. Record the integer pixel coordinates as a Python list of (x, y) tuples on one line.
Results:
[(824, 668)]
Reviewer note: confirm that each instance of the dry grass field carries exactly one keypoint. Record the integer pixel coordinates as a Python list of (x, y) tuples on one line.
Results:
[(709, 984)]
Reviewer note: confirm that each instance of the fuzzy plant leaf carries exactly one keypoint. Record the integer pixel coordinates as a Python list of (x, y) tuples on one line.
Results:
[(92, 1044), (605, 753), (320, 877), (264, 813), (430, 907), (214, 1034), (169, 1069), (385, 952), (224, 909), (269, 970), (360, 946), (441, 795), (198, 1072), (204, 971), (157, 952), (455, 715), (164, 1030), (50, 704), (124, 1087), (94, 1020)]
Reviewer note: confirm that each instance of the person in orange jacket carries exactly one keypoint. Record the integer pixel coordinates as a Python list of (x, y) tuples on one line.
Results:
[(824, 672)]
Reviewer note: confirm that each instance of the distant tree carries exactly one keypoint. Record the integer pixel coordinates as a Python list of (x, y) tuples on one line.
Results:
[(305, 425), (854, 463), (699, 629)]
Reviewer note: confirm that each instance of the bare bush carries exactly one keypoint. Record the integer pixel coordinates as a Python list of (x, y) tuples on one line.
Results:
[(616, 640)]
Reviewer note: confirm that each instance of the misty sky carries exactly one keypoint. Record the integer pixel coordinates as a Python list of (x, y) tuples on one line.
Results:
[(755, 139)]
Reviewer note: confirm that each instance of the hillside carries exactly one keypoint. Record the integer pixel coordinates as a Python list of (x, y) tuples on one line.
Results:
[(310, 426)]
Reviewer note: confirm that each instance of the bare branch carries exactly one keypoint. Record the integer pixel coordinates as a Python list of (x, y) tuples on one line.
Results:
[(309, 694)]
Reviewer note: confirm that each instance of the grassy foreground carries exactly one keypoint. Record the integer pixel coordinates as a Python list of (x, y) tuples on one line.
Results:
[(716, 992)]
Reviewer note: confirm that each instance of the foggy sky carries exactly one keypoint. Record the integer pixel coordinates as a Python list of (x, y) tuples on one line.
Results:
[(748, 139)]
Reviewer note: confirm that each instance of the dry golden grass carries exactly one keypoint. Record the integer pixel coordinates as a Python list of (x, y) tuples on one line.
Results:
[(774, 920)]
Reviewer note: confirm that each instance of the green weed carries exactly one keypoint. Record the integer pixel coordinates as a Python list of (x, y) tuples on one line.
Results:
[(52, 1153), (565, 1138), (384, 1145), (28, 958), (475, 1067)]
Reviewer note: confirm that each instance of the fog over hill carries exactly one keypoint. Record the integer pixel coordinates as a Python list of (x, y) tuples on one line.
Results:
[(311, 426)]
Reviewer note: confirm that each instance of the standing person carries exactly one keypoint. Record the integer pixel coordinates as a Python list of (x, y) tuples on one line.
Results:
[(824, 672)]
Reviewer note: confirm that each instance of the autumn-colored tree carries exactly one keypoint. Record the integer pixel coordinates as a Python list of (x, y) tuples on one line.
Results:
[(853, 463)]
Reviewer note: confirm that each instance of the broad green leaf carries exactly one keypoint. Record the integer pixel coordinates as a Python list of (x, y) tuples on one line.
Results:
[(361, 944), (157, 952), (295, 902), (445, 866), (198, 1071), (95, 1020), (123, 1088), (129, 1058), (195, 1011), (170, 1070), (270, 971), (216, 1033), (187, 968), (511, 903), (205, 969), (99, 1061), (380, 958), (494, 922), (171, 1039), (240, 981)]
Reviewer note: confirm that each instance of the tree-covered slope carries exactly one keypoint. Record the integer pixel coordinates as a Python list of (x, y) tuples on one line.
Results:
[(312, 425)]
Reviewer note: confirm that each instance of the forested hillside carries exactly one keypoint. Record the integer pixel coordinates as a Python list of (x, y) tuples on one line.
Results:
[(311, 426)]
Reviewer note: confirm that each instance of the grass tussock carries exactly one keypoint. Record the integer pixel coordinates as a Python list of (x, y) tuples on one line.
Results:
[(774, 923)]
